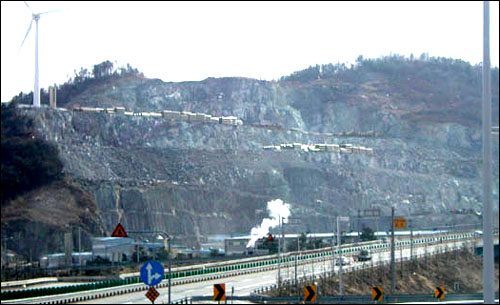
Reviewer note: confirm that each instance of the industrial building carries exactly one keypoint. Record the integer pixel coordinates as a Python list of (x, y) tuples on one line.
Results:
[(117, 249), (58, 260)]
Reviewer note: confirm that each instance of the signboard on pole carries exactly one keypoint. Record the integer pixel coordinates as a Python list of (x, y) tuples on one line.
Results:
[(152, 294), (439, 293), (400, 223), (310, 293), (119, 231), (219, 292), (378, 293), (371, 213), (152, 273), (293, 221)]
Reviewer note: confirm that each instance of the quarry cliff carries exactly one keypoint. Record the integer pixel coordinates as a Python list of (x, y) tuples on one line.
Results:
[(194, 179)]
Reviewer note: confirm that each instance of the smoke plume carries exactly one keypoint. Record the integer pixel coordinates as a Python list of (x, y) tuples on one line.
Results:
[(276, 209)]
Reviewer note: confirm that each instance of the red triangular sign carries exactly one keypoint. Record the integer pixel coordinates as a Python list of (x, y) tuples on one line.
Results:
[(119, 231), (270, 237)]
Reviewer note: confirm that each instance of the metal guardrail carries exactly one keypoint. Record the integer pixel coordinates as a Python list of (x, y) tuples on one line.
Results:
[(24, 283), (362, 299)]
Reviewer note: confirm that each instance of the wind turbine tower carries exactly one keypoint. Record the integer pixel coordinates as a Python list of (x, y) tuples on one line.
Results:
[(36, 17)]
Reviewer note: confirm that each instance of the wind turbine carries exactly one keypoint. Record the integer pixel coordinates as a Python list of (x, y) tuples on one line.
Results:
[(36, 17)]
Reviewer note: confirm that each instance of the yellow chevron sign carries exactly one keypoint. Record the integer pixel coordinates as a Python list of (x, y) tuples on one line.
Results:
[(439, 292), (378, 293), (310, 293)]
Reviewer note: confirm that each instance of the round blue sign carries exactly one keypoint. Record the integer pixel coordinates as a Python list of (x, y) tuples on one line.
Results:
[(152, 273)]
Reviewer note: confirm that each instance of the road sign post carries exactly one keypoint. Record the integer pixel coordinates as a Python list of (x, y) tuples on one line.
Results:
[(152, 273), (400, 223), (219, 292), (378, 293), (169, 239), (310, 293), (152, 294), (119, 231), (439, 293)]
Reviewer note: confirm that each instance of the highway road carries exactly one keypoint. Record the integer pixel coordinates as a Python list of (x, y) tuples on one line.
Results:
[(244, 284)]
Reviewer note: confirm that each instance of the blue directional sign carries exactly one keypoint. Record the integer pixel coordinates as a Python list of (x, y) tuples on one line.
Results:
[(152, 273)]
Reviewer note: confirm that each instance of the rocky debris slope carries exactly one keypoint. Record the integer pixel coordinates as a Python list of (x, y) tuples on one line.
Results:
[(194, 179), (45, 214)]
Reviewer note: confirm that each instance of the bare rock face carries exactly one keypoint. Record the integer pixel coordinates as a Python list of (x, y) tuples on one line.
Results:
[(194, 179)]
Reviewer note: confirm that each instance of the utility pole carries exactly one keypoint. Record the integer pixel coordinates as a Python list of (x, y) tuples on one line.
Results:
[(169, 268), (333, 252), (411, 240), (401, 258), (488, 267), (283, 233), (357, 229), (279, 258), (137, 247), (340, 257), (80, 249), (393, 269), (296, 257)]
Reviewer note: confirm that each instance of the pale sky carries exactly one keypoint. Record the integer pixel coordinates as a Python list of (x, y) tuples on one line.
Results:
[(190, 41)]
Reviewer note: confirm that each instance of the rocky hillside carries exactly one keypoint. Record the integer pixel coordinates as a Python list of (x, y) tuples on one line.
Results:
[(194, 179), (45, 214)]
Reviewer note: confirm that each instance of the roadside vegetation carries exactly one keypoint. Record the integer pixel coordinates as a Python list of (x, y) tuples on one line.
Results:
[(461, 269)]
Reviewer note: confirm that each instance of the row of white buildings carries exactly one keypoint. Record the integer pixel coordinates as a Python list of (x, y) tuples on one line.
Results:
[(186, 116), (343, 148), (201, 117)]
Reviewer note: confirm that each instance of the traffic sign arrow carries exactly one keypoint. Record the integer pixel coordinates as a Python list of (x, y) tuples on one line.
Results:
[(152, 273), (310, 293), (152, 277), (219, 292)]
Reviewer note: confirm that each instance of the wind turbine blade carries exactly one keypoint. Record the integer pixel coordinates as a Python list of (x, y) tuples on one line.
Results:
[(53, 11), (26, 34), (28, 6)]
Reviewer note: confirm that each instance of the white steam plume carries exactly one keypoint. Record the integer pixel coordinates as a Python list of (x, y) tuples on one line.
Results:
[(276, 208)]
